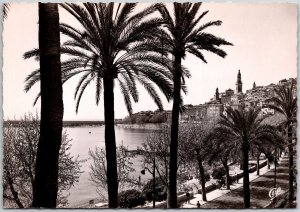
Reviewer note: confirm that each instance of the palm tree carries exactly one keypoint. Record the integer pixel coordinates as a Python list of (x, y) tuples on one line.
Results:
[(184, 35), (6, 7), (114, 46), (244, 128), (285, 102), (45, 185)]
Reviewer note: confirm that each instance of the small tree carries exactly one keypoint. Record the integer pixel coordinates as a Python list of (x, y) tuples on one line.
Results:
[(157, 145), (224, 151), (199, 148), (99, 169), (19, 158)]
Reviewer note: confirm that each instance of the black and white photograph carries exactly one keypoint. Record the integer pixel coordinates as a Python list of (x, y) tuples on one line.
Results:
[(186, 105)]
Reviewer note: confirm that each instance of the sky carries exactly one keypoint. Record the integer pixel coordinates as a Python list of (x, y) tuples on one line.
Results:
[(265, 51)]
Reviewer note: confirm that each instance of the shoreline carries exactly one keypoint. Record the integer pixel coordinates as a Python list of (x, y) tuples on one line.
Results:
[(146, 126)]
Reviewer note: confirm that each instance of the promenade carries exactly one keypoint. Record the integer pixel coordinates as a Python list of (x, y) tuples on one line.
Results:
[(259, 190)]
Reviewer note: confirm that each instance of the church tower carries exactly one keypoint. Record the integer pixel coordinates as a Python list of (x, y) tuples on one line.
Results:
[(217, 94), (254, 85), (239, 84)]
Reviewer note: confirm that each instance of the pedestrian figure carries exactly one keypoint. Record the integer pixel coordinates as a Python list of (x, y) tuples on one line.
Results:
[(187, 194), (198, 204)]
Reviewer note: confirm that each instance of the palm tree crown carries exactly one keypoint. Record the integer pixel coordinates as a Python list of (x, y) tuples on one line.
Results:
[(113, 43), (186, 36), (285, 102)]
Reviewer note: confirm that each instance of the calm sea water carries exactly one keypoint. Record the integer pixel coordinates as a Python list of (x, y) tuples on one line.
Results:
[(85, 138)]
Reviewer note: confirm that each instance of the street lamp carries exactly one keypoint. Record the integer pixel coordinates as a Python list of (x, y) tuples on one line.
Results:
[(153, 175)]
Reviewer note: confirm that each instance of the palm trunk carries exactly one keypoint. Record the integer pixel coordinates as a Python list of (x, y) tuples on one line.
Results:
[(291, 164), (202, 178), (46, 170), (246, 185), (227, 174), (174, 135), (257, 164), (110, 143)]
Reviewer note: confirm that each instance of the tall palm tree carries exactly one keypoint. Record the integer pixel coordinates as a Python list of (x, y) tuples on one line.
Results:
[(113, 46), (45, 185), (285, 102), (244, 128), (185, 35)]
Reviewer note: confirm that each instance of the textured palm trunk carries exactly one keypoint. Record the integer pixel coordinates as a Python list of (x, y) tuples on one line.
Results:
[(202, 178), (110, 143), (174, 135), (257, 164), (291, 164), (46, 171), (246, 186), (227, 174)]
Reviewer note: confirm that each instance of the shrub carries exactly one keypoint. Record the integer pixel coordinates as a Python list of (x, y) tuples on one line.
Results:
[(130, 198), (206, 177), (160, 193), (218, 173)]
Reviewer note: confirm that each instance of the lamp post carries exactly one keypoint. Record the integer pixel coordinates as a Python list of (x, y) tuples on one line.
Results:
[(153, 175)]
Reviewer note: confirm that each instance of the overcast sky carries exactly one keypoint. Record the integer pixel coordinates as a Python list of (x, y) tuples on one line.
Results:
[(264, 38)]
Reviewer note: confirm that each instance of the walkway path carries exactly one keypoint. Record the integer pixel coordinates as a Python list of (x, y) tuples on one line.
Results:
[(259, 190)]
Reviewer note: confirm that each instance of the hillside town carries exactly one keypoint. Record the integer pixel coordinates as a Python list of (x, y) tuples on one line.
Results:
[(211, 110)]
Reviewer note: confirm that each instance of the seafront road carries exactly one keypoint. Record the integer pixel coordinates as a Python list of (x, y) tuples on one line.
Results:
[(259, 189)]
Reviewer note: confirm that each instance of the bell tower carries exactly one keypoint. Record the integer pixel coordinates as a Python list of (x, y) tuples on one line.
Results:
[(239, 84), (217, 94)]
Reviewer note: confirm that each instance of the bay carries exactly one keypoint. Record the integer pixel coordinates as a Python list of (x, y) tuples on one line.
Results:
[(90, 137)]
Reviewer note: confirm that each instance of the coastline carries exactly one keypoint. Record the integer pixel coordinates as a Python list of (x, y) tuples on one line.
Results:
[(147, 126)]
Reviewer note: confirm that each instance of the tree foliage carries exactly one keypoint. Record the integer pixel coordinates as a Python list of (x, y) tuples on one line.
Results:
[(130, 198), (160, 189), (98, 169), (124, 46), (245, 129), (157, 145), (285, 103), (19, 158), (218, 173)]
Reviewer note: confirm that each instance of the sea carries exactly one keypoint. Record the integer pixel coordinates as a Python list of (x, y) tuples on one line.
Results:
[(90, 137)]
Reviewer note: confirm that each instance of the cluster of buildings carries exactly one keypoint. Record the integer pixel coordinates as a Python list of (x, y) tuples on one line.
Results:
[(257, 96)]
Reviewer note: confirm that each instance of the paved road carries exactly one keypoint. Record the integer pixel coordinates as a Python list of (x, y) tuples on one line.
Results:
[(259, 190)]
